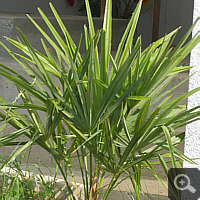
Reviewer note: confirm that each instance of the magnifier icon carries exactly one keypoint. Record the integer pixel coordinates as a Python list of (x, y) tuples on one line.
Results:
[(182, 182)]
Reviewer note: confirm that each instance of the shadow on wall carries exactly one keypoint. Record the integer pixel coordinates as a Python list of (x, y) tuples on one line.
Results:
[(30, 6), (172, 15)]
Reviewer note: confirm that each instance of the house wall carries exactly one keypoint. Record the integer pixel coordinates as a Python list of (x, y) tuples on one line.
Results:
[(192, 138)]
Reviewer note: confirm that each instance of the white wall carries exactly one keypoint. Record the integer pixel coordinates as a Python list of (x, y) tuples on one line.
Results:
[(192, 140)]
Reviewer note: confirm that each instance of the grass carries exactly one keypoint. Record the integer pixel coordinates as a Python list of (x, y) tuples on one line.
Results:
[(16, 183)]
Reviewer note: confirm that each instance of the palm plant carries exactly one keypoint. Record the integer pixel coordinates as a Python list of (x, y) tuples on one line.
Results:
[(105, 114)]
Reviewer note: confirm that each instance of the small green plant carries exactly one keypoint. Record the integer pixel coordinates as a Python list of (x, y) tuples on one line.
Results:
[(103, 116), (18, 184)]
